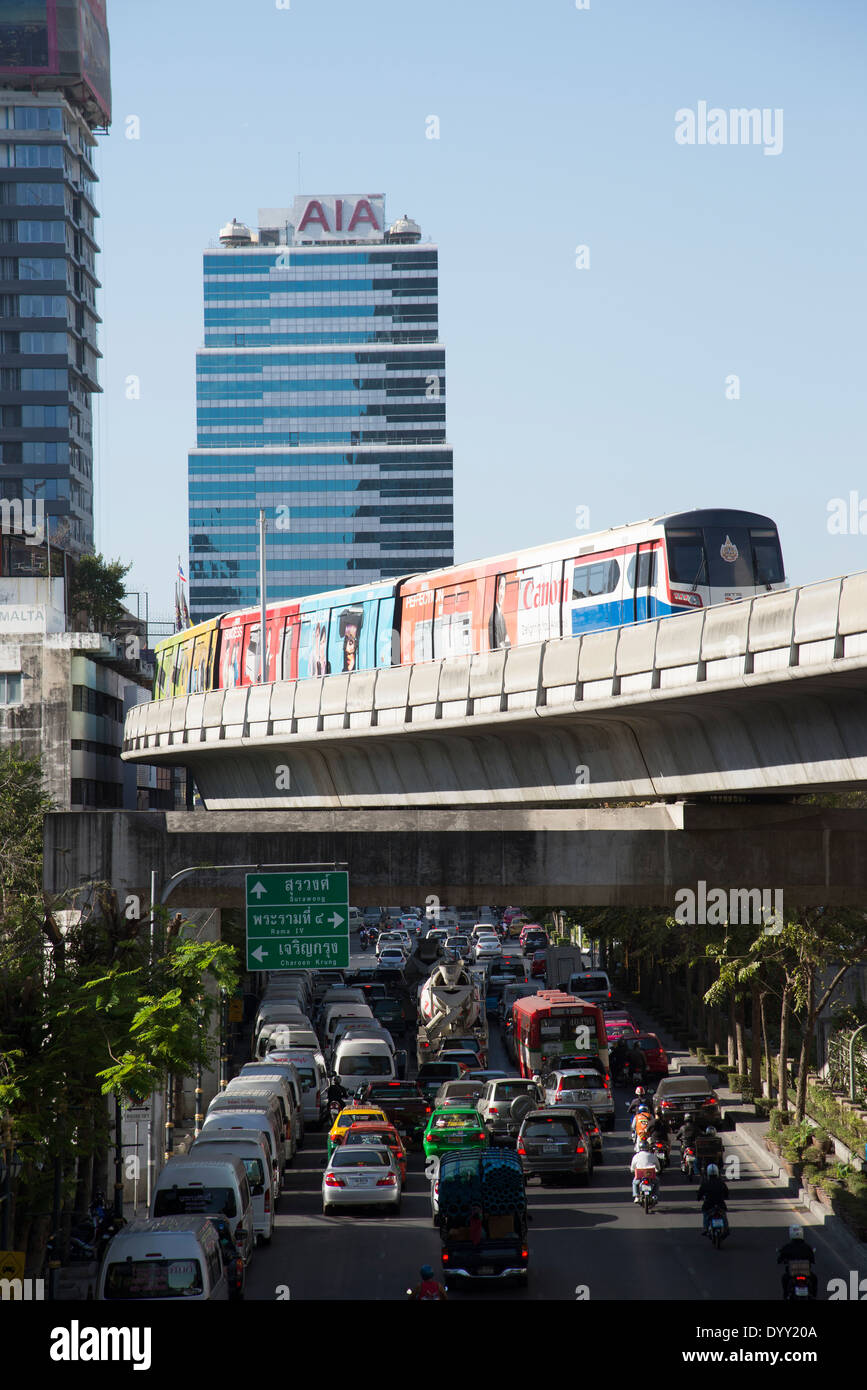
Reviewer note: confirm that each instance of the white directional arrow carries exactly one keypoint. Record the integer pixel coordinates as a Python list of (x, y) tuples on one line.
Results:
[(336, 919), (259, 954), (259, 889)]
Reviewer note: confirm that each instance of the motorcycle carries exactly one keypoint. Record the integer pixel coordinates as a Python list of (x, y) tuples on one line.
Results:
[(662, 1151), (362, 939), (688, 1162), (718, 1227), (799, 1282), (647, 1194)]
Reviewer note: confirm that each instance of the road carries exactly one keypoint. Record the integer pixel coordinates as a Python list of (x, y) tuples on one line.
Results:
[(591, 1243)]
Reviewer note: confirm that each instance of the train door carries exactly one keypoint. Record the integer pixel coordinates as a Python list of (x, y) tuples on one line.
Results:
[(641, 579)]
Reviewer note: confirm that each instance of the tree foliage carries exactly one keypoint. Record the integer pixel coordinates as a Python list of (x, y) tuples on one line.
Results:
[(97, 591)]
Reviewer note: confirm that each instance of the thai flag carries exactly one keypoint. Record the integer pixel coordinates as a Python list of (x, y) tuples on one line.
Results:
[(181, 576)]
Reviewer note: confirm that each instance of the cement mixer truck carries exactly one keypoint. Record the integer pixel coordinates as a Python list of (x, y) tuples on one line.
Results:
[(449, 1006)]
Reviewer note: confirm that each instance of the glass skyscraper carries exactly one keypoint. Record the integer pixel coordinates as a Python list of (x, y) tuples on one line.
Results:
[(321, 398), (54, 96)]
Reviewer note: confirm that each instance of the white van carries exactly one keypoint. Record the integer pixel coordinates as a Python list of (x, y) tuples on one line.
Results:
[(287, 1091), (283, 1038), (270, 1107), (198, 1187), (175, 1257), (252, 1149), (243, 1124), (309, 1066), (355, 919), (359, 1060), (334, 1013)]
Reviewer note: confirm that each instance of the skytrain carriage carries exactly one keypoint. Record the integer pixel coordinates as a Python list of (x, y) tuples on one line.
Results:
[(650, 569)]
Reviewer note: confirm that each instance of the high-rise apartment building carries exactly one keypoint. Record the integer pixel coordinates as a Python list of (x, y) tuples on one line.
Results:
[(320, 398), (54, 96)]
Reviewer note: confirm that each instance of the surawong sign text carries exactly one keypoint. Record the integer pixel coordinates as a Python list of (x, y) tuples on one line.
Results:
[(296, 921)]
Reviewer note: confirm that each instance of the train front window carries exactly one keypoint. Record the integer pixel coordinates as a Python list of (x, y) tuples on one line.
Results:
[(687, 563), (729, 557), (767, 560)]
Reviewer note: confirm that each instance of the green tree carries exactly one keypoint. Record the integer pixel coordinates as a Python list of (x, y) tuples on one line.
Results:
[(96, 592)]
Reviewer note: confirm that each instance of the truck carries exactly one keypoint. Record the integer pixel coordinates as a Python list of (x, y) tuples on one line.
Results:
[(449, 1005), (561, 962), (482, 1216)]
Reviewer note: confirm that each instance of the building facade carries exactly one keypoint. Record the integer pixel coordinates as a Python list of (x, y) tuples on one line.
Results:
[(53, 98), (320, 396)]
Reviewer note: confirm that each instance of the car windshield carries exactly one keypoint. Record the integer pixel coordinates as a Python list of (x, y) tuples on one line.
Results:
[(371, 1137), (365, 1066), (189, 1201), (356, 1117), (594, 983), (432, 1071), (154, 1279), (374, 1158), (581, 1081), (458, 1120), (509, 1090), (550, 1129), (397, 1090)]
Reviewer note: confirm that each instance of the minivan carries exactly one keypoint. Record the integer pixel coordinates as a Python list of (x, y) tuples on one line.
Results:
[(271, 1035), (335, 1012), (253, 1152), (243, 1124), (190, 1186), (592, 985), (288, 1038), (287, 1091), (270, 1107), (359, 1060), (174, 1257), (308, 1065)]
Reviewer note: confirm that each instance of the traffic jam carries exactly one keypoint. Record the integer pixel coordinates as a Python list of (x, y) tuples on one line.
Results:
[(443, 1061)]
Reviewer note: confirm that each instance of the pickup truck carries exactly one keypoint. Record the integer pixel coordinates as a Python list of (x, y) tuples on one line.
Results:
[(404, 1104), (482, 1216)]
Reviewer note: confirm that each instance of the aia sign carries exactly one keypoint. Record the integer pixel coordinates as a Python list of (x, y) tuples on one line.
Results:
[(336, 218)]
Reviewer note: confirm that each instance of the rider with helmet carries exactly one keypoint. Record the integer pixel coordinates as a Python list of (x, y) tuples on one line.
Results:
[(642, 1160), (796, 1248), (640, 1098), (713, 1194), (642, 1122), (429, 1290)]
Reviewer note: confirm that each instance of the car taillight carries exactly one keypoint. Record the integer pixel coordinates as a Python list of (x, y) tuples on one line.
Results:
[(428, 1110), (388, 1181), (580, 1149), (525, 1254), (710, 1101), (332, 1181), (445, 1257), (492, 1110), (522, 1150)]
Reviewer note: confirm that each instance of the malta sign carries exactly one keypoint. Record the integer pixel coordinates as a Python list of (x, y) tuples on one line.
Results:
[(298, 921), (336, 217)]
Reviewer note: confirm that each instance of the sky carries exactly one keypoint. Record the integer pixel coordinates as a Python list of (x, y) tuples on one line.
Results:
[(706, 347)]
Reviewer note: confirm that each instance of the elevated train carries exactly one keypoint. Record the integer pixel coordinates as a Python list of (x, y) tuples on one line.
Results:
[(650, 569)]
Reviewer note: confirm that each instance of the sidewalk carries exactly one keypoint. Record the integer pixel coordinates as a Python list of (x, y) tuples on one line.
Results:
[(752, 1128)]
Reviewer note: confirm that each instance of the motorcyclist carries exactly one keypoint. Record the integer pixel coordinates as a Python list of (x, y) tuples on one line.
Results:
[(643, 1159), (713, 1194), (337, 1095), (640, 1098), (796, 1248), (619, 1055), (657, 1133), (636, 1062), (708, 1147), (429, 1290), (641, 1122)]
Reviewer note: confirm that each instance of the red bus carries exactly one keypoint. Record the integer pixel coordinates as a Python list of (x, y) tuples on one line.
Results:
[(553, 1024)]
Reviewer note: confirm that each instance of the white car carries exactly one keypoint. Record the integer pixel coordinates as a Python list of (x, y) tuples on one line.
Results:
[(487, 948), (361, 1176), (389, 941), (392, 957)]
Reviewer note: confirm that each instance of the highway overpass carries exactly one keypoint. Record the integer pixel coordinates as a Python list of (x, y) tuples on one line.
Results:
[(765, 696)]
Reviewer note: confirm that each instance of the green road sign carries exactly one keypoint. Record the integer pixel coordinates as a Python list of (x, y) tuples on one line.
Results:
[(298, 921)]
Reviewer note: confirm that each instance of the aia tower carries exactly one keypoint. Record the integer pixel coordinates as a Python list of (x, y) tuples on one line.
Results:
[(321, 399)]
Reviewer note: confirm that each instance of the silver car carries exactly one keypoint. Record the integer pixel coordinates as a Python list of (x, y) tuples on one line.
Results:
[(467, 1091), (579, 1086), (495, 1106), (363, 1175)]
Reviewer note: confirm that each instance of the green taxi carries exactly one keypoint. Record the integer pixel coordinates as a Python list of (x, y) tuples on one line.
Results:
[(454, 1127)]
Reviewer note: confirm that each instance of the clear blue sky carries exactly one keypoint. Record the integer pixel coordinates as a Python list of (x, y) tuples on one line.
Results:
[(603, 387)]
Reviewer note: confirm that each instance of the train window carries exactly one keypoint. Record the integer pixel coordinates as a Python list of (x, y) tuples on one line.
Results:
[(646, 577), (591, 581), (767, 560), (687, 563)]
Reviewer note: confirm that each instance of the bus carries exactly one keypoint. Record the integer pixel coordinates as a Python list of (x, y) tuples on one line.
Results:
[(551, 1024)]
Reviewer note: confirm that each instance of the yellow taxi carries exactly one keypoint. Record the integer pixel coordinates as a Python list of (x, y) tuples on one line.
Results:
[(353, 1115)]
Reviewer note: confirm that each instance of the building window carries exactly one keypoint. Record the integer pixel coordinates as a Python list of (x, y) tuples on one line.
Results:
[(10, 689)]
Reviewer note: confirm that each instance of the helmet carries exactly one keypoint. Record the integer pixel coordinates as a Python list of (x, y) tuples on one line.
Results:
[(643, 1110), (639, 1090), (426, 1272), (688, 1116), (643, 1146), (712, 1170), (796, 1233), (710, 1130)]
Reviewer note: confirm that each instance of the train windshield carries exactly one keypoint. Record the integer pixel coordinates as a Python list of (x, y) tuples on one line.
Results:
[(736, 557)]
